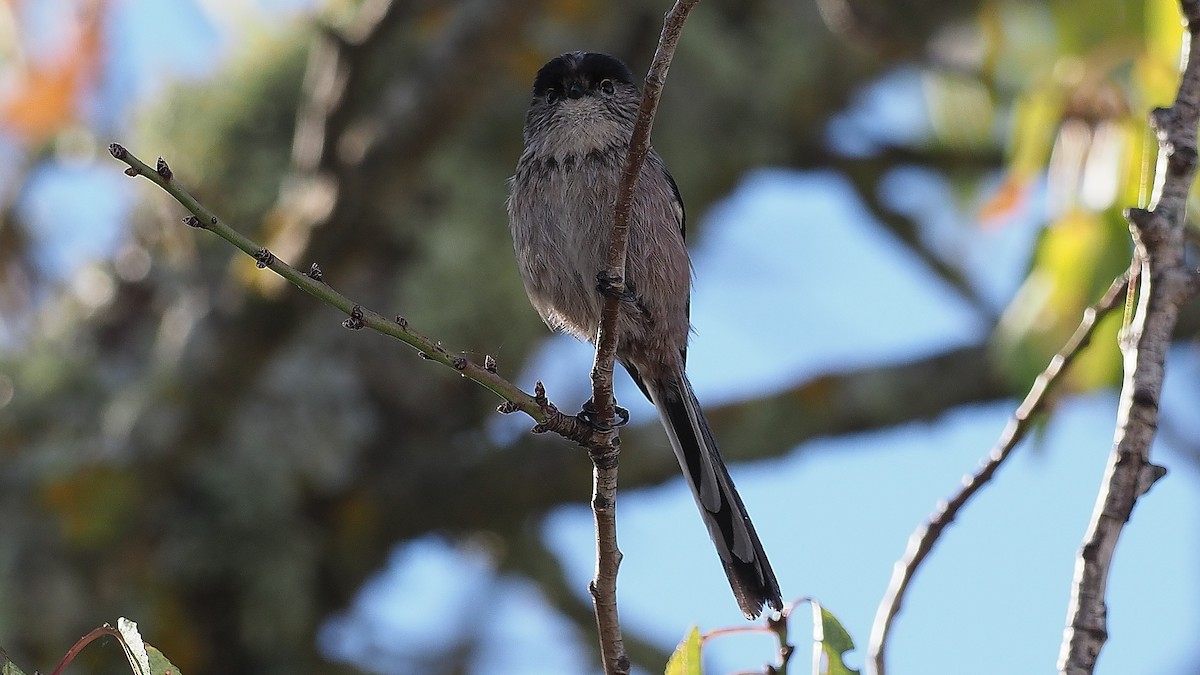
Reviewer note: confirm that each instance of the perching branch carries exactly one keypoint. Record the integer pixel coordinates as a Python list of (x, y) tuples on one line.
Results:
[(537, 406), (921, 543), (639, 146), (1166, 284), (604, 456)]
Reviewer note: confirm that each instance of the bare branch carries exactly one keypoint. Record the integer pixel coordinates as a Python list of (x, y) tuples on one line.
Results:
[(604, 456), (1166, 284), (639, 146), (921, 543), (537, 406)]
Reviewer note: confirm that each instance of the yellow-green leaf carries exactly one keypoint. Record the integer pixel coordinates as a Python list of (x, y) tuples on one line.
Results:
[(686, 659), (7, 667), (832, 642), (159, 664)]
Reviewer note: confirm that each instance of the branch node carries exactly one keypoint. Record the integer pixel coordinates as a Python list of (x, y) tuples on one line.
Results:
[(1144, 397), (613, 286), (131, 172), (1139, 218), (600, 503), (507, 408), (117, 150), (1149, 475), (459, 363), (424, 355), (1191, 12), (1160, 121), (162, 169), (605, 458), (1181, 160), (264, 258), (401, 321), (213, 220), (355, 320), (489, 363), (193, 221), (539, 394), (314, 272)]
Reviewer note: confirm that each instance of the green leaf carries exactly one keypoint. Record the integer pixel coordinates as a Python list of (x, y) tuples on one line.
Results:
[(833, 642), (159, 665), (686, 659), (7, 667)]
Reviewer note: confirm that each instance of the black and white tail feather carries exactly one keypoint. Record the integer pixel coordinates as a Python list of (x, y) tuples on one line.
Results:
[(750, 574)]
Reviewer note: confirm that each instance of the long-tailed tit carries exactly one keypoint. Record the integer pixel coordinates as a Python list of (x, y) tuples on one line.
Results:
[(560, 209)]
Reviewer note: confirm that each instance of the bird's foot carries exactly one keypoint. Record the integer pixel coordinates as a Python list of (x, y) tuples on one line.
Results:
[(607, 285), (589, 417)]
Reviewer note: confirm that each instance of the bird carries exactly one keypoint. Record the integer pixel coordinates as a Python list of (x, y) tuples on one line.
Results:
[(576, 136)]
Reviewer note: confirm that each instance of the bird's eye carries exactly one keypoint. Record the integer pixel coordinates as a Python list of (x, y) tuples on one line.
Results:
[(552, 96), (607, 86)]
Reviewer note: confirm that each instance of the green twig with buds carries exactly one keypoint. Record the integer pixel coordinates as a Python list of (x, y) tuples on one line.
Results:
[(536, 405)]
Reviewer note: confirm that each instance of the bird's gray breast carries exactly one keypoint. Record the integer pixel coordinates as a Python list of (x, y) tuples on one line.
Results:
[(561, 213)]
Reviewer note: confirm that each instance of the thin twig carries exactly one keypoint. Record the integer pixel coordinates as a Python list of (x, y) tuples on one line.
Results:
[(1166, 284), (92, 636), (324, 186), (535, 405), (921, 543), (777, 626), (604, 456)]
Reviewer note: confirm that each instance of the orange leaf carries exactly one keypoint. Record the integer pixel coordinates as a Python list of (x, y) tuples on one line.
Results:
[(45, 97), (1005, 202)]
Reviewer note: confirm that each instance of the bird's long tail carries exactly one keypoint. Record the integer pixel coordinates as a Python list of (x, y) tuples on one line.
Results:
[(729, 525)]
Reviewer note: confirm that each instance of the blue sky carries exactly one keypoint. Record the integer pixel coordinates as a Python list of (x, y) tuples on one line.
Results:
[(795, 261)]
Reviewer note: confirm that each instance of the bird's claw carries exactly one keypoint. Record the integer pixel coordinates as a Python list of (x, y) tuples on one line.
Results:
[(607, 285), (589, 417)]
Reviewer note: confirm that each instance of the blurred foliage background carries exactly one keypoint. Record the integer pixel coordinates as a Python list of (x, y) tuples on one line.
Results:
[(187, 441)]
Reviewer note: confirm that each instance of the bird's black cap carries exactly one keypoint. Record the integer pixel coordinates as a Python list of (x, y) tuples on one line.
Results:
[(586, 67)]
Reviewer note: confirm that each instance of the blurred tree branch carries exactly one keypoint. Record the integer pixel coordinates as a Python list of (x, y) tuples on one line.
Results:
[(866, 177), (18, 275)]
